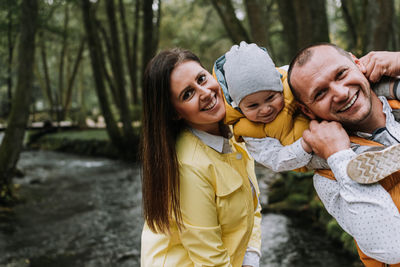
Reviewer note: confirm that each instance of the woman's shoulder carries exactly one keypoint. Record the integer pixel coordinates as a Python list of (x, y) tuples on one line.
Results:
[(190, 148)]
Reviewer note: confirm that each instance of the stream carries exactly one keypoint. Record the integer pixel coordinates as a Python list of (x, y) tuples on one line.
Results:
[(86, 211)]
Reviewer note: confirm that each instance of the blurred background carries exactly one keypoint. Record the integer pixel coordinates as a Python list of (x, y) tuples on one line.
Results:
[(70, 108)]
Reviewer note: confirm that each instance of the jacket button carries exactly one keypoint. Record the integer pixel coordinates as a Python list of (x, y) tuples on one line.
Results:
[(238, 156)]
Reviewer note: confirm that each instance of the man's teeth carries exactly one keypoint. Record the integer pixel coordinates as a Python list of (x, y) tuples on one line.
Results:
[(349, 104), (211, 105)]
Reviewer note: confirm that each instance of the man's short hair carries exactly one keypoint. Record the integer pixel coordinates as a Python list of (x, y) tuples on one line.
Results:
[(304, 56)]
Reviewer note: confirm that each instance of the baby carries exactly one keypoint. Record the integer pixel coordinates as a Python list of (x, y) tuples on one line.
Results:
[(259, 104)]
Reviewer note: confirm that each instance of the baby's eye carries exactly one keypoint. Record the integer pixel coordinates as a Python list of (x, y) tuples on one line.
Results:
[(201, 79), (269, 98), (252, 106), (187, 94)]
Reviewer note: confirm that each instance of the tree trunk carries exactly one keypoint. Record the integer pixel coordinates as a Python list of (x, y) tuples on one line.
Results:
[(43, 54), (305, 22), (13, 139), (287, 15), (147, 32), (11, 44), (135, 51), (232, 24), (93, 42), (71, 80), (368, 24), (118, 74), (351, 18), (156, 31), (128, 53), (258, 21), (383, 30), (61, 86)]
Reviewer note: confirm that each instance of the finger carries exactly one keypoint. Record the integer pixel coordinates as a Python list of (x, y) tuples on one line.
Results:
[(376, 73), (313, 124), (307, 136), (369, 67)]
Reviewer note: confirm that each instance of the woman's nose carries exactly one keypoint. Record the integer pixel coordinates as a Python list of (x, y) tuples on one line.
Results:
[(205, 93)]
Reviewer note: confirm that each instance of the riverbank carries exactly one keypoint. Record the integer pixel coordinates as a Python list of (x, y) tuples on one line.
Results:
[(86, 211), (89, 142), (291, 193)]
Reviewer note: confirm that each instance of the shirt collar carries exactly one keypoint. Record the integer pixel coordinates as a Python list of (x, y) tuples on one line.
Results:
[(218, 143), (387, 110)]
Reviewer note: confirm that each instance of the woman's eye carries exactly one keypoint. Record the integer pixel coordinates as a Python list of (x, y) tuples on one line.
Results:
[(187, 94), (201, 79)]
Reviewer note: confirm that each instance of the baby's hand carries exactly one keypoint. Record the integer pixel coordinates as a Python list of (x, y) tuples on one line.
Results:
[(307, 148), (326, 138)]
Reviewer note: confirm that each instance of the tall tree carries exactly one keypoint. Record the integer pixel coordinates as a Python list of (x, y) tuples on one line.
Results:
[(236, 31), (370, 24), (118, 70), (148, 33), (11, 40), (135, 51), (258, 21), (122, 140), (384, 28), (304, 23), (13, 139)]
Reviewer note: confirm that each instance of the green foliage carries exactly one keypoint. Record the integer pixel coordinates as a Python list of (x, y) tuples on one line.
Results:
[(194, 25)]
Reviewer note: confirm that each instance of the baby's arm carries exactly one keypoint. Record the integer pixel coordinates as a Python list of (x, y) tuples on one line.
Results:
[(272, 154)]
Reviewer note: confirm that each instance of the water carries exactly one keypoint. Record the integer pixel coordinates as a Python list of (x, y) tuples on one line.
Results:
[(83, 211)]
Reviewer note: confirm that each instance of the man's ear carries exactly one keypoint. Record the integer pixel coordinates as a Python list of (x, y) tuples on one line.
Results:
[(307, 111), (358, 63)]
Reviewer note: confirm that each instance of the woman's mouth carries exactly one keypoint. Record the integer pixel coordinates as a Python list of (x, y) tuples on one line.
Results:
[(349, 104), (212, 104)]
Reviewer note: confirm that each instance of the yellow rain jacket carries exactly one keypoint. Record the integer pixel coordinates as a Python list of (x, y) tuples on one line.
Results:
[(221, 215)]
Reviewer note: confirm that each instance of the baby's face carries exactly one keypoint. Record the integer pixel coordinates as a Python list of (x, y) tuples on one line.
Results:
[(262, 106)]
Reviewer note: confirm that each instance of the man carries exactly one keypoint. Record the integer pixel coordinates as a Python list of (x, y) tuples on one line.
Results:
[(334, 89)]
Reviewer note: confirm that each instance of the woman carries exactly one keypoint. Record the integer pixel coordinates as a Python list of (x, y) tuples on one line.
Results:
[(200, 194)]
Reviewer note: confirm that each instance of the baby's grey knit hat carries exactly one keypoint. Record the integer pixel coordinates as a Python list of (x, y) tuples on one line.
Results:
[(249, 69)]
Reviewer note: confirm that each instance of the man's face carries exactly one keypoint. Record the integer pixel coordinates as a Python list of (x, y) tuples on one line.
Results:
[(332, 87)]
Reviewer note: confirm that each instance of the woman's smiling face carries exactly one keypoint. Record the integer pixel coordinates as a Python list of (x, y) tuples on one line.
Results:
[(196, 97)]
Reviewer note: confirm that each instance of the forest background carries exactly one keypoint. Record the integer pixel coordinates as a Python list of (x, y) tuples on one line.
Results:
[(79, 63)]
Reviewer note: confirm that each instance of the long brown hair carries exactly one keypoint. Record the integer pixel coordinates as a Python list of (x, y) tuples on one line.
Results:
[(160, 173)]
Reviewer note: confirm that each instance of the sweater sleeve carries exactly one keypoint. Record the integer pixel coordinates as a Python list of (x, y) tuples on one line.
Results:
[(273, 155)]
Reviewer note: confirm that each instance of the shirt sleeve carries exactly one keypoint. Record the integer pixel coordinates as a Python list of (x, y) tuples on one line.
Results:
[(273, 155), (366, 212), (201, 235)]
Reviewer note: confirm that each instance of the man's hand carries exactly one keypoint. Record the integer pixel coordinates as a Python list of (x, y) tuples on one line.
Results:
[(326, 138), (382, 63)]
